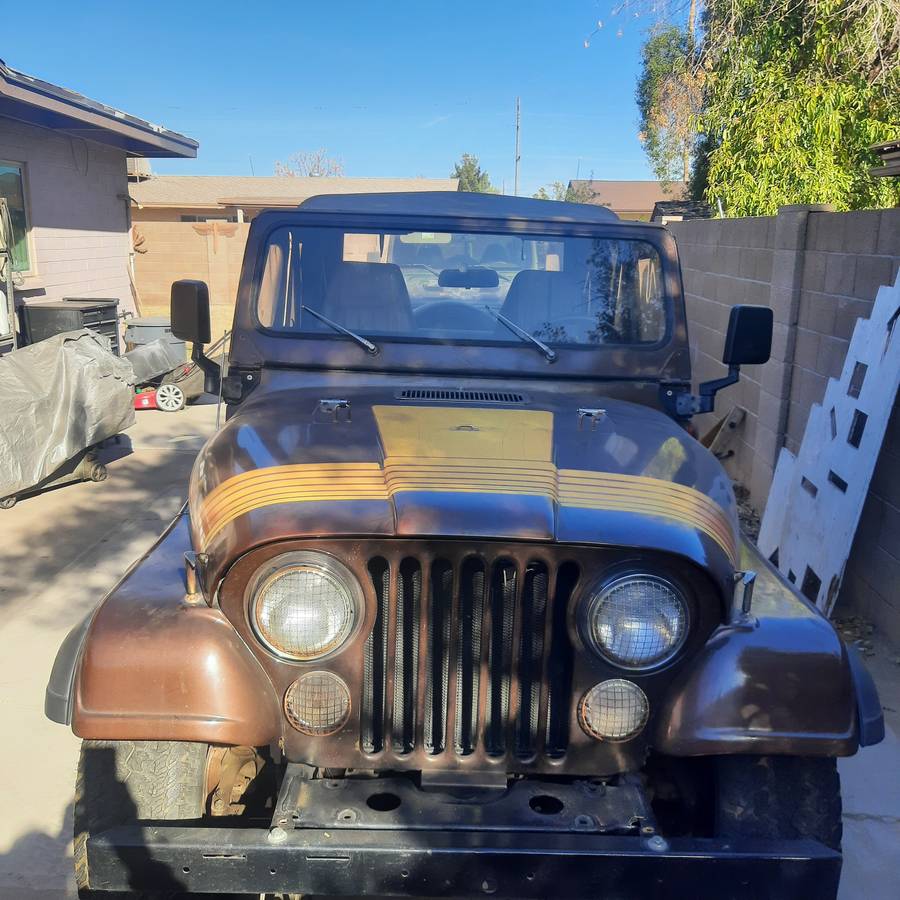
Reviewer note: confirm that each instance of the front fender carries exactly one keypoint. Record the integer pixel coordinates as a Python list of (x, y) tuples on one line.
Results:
[(780, 681), (146, 665)]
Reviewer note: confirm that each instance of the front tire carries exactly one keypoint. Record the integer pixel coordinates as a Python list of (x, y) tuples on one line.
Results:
[(121, 782), (779, 797)]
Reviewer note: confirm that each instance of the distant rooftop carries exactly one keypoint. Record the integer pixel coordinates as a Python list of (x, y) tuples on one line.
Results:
[(257, 192), (629, 196), (28, 99), (889, 154)]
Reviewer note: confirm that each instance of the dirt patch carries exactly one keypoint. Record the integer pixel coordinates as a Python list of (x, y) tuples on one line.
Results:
[(747, 514)]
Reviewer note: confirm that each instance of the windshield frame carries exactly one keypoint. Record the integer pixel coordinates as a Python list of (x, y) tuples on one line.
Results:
[(666, 359)]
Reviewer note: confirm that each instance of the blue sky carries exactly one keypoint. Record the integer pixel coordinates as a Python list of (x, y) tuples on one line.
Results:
[(393, 89)]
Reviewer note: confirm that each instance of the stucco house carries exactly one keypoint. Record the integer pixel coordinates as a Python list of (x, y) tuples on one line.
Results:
[(63, 175)]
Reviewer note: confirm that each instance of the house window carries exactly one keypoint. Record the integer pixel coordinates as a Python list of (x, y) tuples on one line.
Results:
[(193, 218), (12, 189)]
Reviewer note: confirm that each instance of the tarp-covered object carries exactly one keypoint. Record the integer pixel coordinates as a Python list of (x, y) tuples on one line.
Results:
[(57, 398), (155, 359)]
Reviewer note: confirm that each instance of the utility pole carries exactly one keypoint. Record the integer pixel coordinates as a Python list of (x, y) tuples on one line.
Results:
[(518, 155)]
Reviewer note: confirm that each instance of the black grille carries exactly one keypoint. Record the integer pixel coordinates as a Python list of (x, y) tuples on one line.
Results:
[(453, 624), (458, 396)]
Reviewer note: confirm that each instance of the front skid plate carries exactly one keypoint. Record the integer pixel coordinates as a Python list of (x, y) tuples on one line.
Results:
[(526, 805), (361, 862)]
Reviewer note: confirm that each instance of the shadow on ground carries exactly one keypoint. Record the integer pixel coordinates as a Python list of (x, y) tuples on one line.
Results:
[(65, 548)]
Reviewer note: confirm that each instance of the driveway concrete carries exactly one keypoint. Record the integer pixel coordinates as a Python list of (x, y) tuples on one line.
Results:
[(61, 551)]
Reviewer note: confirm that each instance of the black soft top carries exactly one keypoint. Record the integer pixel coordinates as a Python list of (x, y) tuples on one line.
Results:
[(459, 204)]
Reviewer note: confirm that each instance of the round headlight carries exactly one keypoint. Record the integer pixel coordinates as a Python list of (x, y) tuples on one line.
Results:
[(613, 710), (305, 606), (637, 621), (317, 703)]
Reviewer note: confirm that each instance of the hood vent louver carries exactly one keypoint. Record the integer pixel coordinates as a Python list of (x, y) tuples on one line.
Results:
[(442, 395)]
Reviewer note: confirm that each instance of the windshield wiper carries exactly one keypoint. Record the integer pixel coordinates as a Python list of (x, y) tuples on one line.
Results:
[(548, 354), (368, 345)]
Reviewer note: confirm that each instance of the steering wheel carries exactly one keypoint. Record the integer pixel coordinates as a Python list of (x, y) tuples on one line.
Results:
[(452, 315)]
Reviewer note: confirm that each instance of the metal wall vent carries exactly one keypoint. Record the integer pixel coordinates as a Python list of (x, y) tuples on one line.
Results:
[(457, 396)]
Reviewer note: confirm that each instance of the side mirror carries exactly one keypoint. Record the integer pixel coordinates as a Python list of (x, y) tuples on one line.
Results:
[(748, 341), (189, 311)]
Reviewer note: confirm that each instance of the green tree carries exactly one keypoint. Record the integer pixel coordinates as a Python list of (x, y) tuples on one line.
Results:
[(571, 193), (471, 176), (796, 93), (669, 97)]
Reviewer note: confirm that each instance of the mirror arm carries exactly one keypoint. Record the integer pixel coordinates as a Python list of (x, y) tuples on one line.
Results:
[(709, 389), (212, 373), (684, 404)]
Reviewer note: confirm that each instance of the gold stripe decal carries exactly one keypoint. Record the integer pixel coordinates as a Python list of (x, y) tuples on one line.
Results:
[(569, 488), (464, 451)]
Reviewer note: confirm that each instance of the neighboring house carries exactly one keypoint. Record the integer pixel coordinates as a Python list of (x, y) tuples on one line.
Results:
[(63, 174), (227, 198), (889, 154), (196, 226), (628, 199), (665, 211)]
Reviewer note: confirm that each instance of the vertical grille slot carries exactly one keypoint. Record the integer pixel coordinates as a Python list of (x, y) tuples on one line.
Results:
[(406, 659), (559, 670), (468, 655), (437, 664), (464, 650), (502, 604), (374, 658), (531, 652)]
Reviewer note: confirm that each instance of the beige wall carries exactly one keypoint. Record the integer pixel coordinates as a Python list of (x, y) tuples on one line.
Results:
[(76, 198), (820, 272), (211, 252)]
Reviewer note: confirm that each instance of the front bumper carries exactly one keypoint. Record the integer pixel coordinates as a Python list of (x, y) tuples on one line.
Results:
[(511, 864)]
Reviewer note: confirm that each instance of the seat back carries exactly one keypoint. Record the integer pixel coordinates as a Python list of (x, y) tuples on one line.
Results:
[(536, 297), (368, 297)]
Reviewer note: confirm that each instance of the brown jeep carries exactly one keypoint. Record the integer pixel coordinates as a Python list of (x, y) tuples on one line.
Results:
[(458, 606)]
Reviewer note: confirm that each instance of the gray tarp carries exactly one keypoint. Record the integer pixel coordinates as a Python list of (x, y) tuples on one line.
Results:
[(154, 359), (58, 397)]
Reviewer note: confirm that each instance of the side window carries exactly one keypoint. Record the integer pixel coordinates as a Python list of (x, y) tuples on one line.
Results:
[(12, 189)]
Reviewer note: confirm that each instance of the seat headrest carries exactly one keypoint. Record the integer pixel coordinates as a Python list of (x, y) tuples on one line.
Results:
[(368, 297)]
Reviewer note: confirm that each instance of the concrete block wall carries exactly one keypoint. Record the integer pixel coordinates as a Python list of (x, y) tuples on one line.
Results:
[(819, 271), (76, 196), (724, 262)]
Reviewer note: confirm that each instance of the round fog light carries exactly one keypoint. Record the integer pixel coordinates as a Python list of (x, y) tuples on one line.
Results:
[(613, 710), (317, 703)]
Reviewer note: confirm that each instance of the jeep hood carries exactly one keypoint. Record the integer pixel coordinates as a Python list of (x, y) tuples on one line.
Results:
[(287, 465)]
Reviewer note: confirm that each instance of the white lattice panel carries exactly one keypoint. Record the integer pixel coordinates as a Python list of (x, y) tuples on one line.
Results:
[(817, 497)]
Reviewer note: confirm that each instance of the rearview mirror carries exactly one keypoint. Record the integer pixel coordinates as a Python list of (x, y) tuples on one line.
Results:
[(190, 311), (476, 277), (748, 341)]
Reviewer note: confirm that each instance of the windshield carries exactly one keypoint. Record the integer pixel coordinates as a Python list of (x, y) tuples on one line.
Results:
[(460, 287)]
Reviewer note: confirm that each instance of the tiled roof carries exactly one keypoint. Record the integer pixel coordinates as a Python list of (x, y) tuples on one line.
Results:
[(276, 190), (630, 196)]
